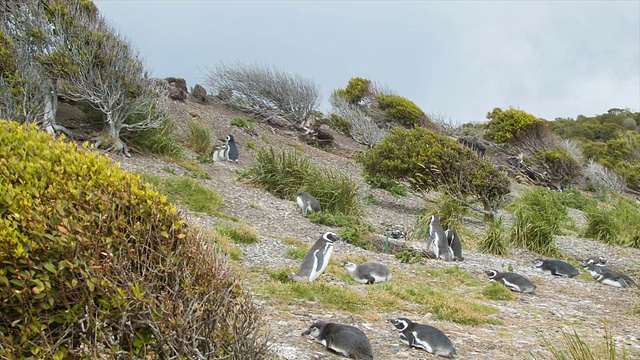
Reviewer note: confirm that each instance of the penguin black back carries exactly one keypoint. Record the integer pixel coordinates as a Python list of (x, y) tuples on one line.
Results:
[(307, 202), (556, 267), (232, 152), (515, 282), (453, 239), (343, 339), (425, 337)]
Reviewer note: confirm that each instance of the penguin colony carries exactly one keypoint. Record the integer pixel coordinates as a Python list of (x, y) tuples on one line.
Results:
[(349, 341)]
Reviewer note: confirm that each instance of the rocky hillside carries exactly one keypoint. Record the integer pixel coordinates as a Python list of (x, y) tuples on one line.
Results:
[(517, 327)]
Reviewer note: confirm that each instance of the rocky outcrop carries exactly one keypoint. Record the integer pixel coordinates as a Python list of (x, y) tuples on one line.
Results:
[(177, 88), (199, 93)]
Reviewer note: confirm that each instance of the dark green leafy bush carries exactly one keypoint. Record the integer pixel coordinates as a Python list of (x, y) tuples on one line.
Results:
[(560, 167), (96, 264), (340, 124)]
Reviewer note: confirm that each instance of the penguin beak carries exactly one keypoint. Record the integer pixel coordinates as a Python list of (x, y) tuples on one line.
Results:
[(344, 262), (305, 333)]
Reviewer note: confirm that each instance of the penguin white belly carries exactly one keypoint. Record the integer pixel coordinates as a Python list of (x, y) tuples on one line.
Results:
[(314, 273), (511, 285), (300, 202), (615, 283), (325, 258), (421, 344), (380, 278)]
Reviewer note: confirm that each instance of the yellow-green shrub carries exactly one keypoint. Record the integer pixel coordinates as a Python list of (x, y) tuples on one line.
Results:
[(94, 263), (400, 110), (506, 124)]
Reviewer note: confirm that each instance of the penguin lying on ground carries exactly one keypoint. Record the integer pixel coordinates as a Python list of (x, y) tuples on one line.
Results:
[(556, 267), (606, 276), (316, 259), (515, 282), (595, 260), (367, 273), (343, 339), (425, 337)]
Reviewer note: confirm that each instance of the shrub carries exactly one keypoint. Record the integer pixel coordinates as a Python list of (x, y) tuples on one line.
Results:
[(394, 187), (400, 110), (539, 216), (575, 199), (357, 89), (242, 122), (340, 124), (96, 264), (559, 166), (617, 224), (431, 161), (506, 124), (199, 136)]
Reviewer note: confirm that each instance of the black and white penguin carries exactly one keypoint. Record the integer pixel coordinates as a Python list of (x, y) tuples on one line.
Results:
[(593, 268), (515, 282), (307, 202), (455, 244), (613, 278), (595, 260), (226, 152), (438, 239), (367, 273), (317, 258), (425, 337), (556, 267), (232, 154), (345, 340)]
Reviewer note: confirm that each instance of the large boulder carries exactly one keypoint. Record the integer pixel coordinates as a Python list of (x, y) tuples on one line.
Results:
[(199, 93), (177, 88)]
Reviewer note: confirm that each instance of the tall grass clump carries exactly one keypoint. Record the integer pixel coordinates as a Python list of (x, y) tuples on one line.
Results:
[(158, 141), (539, 217), (199, 136), (495, 240), (451, 212), (287, 172), (617, 224), (573, 198), (572, 346)]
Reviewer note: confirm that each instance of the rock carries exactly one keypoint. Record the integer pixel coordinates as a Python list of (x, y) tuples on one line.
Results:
[(199, 93), (177, 88)]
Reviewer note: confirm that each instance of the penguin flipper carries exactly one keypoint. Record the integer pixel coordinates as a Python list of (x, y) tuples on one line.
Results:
[(370, 280)]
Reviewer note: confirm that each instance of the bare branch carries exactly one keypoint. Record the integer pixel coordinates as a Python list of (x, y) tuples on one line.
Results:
[(364, 129)]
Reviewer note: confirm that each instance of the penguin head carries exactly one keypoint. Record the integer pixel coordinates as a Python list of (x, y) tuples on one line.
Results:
[(230, 138), (400, 323), (315, 330), (331, 237), (435, 218), (538, 262), (349, 265), (491, 273)]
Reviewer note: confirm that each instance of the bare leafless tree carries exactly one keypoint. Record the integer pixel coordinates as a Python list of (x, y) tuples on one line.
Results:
[(266, 91), (604, 179), (364, 124), (110, 74)]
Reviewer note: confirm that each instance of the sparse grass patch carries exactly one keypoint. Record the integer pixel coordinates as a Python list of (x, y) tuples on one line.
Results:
[(187, 192), (214, 238), (251, 145), (392, 186), (204, 159), (497, 291), (575, 199), (243, 122), (370, 199), (297, 253), (169, 170), (199, 175), (573, 346), (408, 257), (242, 234), (159, 141), (199, 136)]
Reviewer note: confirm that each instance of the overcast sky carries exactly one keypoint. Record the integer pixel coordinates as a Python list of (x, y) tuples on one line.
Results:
[(456, 59)]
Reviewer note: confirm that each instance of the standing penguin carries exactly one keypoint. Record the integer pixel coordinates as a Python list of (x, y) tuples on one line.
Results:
[(367, 273), (455, 244), (438, 239), (232, 154), (307, 202), (556, 267), (515, 282), (425, 337), (317, 258), (345, 340)]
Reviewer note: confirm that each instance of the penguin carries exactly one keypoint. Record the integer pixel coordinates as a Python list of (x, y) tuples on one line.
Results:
[(367, 273), (556, 267), (593, 268), (515, 282), (307, 202), (613, 278), (343, 339), (226, 152), (317, 258), (425, 337), (232, 152), (438, 239), (596, 260), (455, 244)]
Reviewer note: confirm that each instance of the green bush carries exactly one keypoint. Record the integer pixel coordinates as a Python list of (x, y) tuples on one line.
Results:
[(495, 240), (575, 199), (539, 217), (243, 123), (356, 90), (96, 264), (392, 186), (560, 167), (340, 124), (506, 124), (199, 136), (431, 161), (400, 110)]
